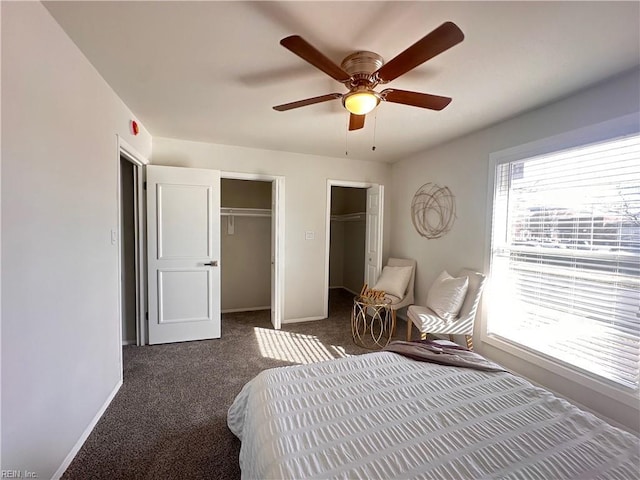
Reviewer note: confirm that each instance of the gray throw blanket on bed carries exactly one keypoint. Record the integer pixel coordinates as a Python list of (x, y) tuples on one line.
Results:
[(457, 356)]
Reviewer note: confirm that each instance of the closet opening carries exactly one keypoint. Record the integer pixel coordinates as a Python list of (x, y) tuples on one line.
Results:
[(246, 246), (354, 226), (128, 258), (347, 243), (129, 236)]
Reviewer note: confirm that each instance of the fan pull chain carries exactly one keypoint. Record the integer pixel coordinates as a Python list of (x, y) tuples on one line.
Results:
[(375, 123), (346, 136)]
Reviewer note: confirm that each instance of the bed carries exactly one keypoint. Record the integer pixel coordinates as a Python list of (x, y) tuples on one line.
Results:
[(385, 416)]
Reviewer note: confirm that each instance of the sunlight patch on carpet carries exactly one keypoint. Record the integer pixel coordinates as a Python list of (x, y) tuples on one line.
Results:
[(295, 347)]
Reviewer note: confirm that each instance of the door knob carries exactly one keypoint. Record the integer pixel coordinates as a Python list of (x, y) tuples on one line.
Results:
[(211, 264)]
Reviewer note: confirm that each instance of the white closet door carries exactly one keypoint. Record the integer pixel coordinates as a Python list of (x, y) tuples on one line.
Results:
[(373, 254), (277, 239), (183, 215)]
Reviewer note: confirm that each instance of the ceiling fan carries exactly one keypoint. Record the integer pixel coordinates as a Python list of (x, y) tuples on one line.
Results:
[(363, 71)]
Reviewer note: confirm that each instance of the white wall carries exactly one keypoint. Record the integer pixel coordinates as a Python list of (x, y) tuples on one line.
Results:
[(462, 165), (61, 345), (305, 205)]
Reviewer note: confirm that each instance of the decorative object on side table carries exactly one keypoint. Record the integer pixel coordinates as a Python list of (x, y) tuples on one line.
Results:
[(372, 324), (372, 295)]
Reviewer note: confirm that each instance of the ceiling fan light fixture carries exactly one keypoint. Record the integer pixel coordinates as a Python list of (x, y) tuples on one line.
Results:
[(361, 102)]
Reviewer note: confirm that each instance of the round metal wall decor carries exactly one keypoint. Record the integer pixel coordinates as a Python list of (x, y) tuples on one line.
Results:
[(433, 210)]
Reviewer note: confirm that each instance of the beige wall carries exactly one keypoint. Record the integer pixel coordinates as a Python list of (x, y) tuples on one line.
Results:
[(61, 340), (245, 255), (347, 200), (245, 263), (462, 165), (347, 238), (354, 254), (245, 193), (128, 258), (306, 178), (336, 254), (346, 256)]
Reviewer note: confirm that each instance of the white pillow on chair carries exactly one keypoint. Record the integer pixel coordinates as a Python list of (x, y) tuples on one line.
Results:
[(447, 294), (394, 280)]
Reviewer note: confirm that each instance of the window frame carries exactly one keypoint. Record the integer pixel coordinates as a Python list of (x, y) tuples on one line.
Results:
[(608, 130)]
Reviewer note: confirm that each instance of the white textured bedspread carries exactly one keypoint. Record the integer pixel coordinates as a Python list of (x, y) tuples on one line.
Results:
[(383, 416)]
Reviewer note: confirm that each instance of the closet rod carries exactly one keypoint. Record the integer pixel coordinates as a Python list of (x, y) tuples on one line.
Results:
[(245, 212)]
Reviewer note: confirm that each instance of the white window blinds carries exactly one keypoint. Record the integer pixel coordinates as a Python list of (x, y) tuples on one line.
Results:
[(565, 257)]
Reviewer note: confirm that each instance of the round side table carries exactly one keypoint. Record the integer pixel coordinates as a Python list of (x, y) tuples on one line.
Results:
[(371, 323)]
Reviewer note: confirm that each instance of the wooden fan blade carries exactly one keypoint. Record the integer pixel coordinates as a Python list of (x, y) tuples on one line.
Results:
[(309, 53), (442, 38), (356, 122), (308, 101), (415, 99)]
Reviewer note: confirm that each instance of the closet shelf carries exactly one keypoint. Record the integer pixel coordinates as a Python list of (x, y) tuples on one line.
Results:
[(349, 217), (245, 212)]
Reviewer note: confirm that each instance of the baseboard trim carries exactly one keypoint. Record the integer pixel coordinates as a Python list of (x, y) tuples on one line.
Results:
[(345, 288), (83, 438), (305, 319), (128, 342), (249, 309)]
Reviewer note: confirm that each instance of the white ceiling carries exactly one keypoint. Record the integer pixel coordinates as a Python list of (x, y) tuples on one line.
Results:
[(211, 71)]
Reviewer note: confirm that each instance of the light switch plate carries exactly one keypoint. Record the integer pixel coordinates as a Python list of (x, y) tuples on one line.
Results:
[(309, 235)]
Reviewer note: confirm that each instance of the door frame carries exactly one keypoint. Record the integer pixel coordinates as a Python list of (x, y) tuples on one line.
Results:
[(327, 242), (278, 238), (138, 161)]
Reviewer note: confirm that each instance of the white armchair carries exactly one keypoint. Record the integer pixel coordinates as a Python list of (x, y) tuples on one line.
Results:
[(407, 299), (398, 284), (426, 320)]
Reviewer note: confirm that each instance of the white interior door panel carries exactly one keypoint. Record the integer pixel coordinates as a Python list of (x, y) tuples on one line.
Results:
[(183, 225), (373, 254)]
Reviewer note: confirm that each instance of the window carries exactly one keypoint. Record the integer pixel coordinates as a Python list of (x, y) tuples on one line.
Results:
[(565, 258)]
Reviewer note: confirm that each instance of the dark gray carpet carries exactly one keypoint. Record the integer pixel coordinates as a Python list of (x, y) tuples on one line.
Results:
[(168, 421)]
